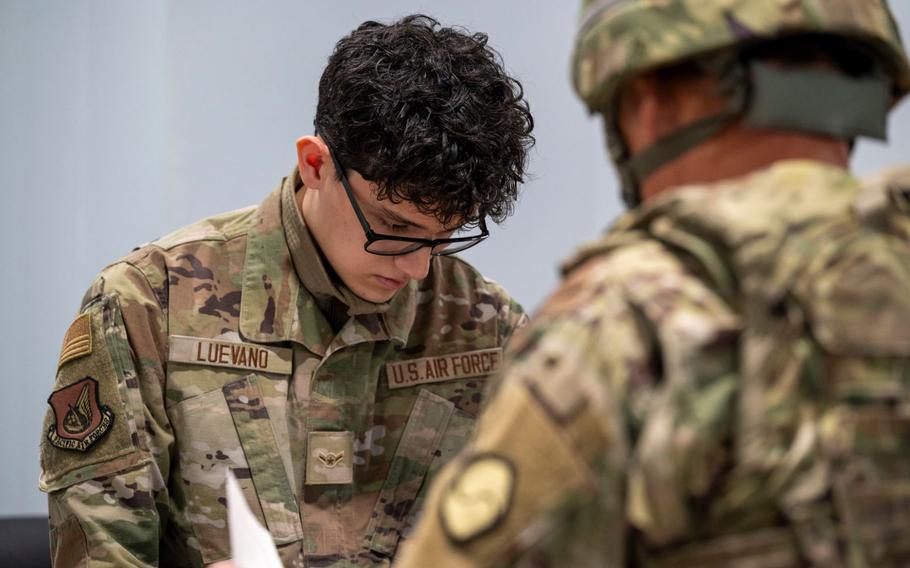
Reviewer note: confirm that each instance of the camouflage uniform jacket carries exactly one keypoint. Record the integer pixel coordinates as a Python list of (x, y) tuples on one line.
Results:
[(723, 380), (207, 350)]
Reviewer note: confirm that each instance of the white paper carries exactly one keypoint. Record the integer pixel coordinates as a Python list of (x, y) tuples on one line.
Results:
[(251, 543)]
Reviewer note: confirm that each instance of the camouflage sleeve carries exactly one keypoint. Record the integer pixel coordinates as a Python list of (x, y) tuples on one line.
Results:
[(106, 442), (611, 416), (551, 439)]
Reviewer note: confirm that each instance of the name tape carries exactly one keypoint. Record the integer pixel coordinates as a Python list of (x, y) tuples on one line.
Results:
[(237, 355), (443, 368)]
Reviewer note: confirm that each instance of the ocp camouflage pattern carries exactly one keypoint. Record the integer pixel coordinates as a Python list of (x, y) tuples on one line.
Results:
[(722, 380), (621, 38), (151, 492)]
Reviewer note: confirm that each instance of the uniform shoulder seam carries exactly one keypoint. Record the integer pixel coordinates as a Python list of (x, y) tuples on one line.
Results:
[(225, 232), (134, 265)]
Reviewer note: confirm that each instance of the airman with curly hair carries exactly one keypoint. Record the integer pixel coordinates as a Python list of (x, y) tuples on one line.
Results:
[(325, 347)]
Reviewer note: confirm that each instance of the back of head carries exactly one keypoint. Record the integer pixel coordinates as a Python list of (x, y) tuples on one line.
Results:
[(622, 39), (429, 114)]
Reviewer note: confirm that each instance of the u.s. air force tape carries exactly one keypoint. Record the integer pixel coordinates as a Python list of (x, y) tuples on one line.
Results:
[(443, 368), (211, 352)]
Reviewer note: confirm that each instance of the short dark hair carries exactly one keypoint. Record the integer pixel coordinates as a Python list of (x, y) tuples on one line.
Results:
[(429, 114)]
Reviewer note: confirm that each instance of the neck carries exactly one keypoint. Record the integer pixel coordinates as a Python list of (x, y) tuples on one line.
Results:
[(740, 150)]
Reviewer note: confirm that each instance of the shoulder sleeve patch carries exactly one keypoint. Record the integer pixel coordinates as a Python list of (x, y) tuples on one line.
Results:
[(80, 419), (478, 498), (78, 340), (89, 429)]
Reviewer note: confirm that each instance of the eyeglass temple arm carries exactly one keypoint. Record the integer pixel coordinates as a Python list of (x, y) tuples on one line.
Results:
[(347, 189)]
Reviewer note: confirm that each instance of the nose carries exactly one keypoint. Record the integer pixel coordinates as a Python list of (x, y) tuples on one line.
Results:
[(415, 264)]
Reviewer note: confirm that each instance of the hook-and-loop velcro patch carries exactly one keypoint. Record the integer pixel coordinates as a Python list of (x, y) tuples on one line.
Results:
[(80, 419), (442, 368), (78, 340), (233, 354)]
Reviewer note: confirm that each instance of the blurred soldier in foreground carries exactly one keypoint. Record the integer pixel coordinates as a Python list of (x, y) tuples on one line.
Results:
[(724, 378), (323, 346)]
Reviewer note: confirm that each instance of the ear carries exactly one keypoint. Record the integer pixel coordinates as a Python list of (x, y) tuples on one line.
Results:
[(313, 161), (641, 112)]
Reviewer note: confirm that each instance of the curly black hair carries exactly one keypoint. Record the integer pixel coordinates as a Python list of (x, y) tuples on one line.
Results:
[(428, 114)]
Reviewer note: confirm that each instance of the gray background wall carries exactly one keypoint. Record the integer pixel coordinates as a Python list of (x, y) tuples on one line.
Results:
[(123, 120)]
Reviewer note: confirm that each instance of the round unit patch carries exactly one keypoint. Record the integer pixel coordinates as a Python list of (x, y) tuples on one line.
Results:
[(478, 498)]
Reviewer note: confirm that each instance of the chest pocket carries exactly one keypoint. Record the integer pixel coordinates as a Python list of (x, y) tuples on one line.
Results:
[(231, 428), (435, 432)]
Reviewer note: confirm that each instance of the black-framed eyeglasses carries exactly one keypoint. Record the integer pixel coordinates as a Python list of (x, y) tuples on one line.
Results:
[(391, 245)]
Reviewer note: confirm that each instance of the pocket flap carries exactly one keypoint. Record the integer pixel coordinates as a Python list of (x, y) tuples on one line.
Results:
[(254, 428), (426, 426)]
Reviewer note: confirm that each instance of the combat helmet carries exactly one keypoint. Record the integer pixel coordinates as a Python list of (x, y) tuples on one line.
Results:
[(618, 39)]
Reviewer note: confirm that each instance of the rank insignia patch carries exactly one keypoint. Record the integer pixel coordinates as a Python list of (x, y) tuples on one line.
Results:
[(79, 418), (328, 461), (78, 340), (477, 500)]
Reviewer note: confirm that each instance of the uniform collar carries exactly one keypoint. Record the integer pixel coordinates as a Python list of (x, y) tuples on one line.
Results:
[(309, 262), (283, 275)]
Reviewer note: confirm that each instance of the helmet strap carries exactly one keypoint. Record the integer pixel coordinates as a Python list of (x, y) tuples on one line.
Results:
[(815, 101), (680, 141), (634, 169), (818, 101)]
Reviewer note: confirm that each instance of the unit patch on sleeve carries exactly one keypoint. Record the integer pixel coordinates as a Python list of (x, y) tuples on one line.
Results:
[(79, 418), (78, 340), (250, 356), (478, 498), (443, 368)]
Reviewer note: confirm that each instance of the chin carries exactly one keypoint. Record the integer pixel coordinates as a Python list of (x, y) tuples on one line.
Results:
[(375, 296), (384, 297)]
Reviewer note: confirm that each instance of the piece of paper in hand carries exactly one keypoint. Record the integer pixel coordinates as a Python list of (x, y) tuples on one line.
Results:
[(251, 544)]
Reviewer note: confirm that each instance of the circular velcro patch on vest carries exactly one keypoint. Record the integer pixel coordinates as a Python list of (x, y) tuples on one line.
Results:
[(79, 418), (477, 500)]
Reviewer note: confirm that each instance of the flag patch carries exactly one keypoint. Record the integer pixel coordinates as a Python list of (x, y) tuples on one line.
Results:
[(78, 340)]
